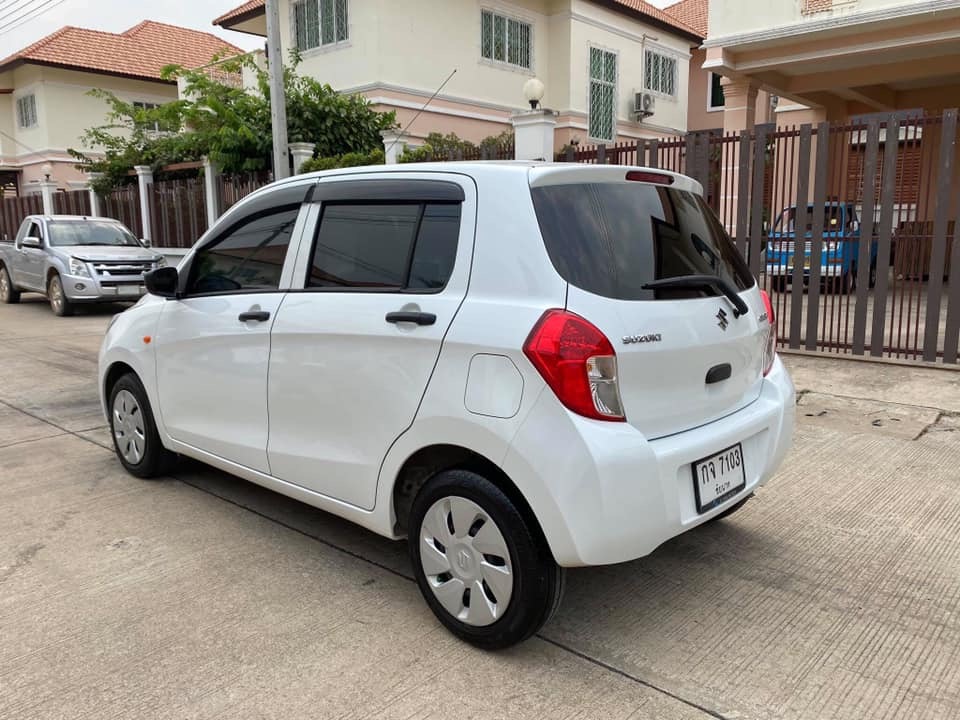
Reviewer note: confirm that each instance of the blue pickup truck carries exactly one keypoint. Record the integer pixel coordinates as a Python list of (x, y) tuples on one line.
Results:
[(838, 259)]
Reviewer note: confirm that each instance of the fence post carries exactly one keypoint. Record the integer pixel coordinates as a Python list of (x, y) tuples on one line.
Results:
[(601, 154), (301, 152), (47, 189), (145, 181), (210, 174), (393, 146), (94, 198), (533, 132)]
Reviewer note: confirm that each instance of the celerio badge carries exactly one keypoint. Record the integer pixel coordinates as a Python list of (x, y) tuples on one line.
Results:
[(631, 339)]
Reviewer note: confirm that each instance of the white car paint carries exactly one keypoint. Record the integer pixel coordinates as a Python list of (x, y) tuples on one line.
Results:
[(327, 402)]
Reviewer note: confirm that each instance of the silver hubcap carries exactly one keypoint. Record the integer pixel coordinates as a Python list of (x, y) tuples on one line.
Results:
[(466, 561), (56, 295), (128, 427), (4, 285)]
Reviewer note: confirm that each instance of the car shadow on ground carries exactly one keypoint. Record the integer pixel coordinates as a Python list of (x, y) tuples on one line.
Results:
[(686, 571), (34, 302)]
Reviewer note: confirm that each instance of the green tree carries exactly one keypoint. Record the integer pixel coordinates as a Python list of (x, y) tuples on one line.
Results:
[(228, 123)]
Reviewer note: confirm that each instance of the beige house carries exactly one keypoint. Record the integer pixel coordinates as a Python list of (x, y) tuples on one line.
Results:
[(598, 60), (44, 102), (834, 59)]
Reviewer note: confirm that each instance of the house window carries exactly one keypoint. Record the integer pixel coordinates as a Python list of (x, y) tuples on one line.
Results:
[(27, 111), (319, 22), (505, 40), (148, 125), (603, 92), (716, 101), (660, 73)]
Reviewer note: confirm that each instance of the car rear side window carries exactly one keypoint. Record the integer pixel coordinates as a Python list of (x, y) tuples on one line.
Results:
[(248, 257), (385, 246), (611, 239)]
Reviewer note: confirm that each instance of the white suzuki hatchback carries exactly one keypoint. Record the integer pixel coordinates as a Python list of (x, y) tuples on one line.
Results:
[(520, 367)]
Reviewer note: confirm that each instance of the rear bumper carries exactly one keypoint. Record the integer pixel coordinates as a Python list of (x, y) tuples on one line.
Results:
[(604, 494)]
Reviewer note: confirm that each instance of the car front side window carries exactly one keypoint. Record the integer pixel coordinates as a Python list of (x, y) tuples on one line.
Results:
[(248, 257)]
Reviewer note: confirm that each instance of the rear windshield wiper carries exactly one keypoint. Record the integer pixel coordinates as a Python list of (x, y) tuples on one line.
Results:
[(712, 282)]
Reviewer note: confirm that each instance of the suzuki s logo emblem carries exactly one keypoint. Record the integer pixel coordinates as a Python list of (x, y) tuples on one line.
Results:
[(464, 560), (722, 319)]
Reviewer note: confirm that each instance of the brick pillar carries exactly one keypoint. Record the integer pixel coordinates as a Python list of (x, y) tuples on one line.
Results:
[(145, 180)]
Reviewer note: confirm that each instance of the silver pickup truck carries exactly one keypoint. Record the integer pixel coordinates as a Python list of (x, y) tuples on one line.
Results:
[(73, 259)]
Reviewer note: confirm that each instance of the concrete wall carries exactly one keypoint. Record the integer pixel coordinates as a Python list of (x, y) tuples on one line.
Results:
[(736, 17)]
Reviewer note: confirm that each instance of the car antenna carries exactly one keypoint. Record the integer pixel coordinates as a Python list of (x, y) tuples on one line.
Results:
[(420, 111)]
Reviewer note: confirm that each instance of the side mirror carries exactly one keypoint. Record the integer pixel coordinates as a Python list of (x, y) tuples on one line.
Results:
[(163, 282), (31, 242), (146, 243)]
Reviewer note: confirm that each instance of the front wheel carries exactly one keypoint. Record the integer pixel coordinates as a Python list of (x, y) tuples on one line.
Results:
[(59, 302), (483, 570), (135, 436), (8, 294)]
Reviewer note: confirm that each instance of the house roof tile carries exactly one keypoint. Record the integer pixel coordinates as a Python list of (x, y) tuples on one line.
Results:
[(142, 51), (692, 13), (638, 6)]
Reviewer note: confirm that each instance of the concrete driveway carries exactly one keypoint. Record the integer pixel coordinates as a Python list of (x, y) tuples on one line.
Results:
[(835, 593)]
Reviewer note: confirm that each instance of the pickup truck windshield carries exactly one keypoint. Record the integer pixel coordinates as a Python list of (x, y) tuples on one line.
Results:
[(67, 233)]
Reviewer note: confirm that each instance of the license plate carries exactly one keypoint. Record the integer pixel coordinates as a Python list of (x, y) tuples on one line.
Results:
[(128, 290), (719, 477)]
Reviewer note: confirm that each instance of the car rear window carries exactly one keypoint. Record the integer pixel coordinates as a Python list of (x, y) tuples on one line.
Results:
[(611, 239)]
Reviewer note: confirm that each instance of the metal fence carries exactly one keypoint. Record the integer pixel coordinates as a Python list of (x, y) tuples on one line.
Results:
[(178, 212), (14, 209), (898, 176)]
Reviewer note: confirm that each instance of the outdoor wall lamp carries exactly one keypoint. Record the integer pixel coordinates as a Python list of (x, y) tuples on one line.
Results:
[(533, 91), (47, 170)]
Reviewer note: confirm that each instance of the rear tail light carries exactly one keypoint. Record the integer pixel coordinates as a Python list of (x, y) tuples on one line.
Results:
[(578, 363), (650, 177), (770, 349)]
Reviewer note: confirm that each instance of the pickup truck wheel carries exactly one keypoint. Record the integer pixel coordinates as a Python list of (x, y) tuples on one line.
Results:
[(483, 570), (59, 302), (8, 294), (134, 432)]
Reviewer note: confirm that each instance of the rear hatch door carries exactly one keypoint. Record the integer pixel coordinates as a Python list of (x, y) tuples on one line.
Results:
[(685, 355)]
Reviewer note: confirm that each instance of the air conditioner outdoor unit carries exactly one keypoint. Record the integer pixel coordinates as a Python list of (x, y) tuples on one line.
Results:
[(644, 104)]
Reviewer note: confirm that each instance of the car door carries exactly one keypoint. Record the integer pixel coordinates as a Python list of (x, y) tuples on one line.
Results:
[(28, 267), (213, 343), (382, 277)]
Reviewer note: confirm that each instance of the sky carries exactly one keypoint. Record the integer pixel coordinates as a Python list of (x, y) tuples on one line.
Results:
[(42, 17), (46, 16)]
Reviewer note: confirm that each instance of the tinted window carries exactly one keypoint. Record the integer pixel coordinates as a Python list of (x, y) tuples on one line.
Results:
[(611, 239), (436, 247), (248, 257), (387, 246)]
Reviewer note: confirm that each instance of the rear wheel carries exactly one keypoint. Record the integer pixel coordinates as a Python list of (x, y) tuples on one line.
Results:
[(59, 302), (8, 294), (135, 436), (483, 570), (779, 283)]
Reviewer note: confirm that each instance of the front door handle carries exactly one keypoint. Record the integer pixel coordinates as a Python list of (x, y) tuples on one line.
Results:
[(420, 318), (254, 315)]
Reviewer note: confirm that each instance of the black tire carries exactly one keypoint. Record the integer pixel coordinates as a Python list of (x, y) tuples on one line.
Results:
[(537, 579), (873, 276), (8, 293), (59, 302), (844, 284), (779, 283), (155, 459), (731, 510)]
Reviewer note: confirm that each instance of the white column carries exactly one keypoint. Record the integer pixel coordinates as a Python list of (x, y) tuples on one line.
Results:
[(393, 145), (210, 174), (145, 180), (301, 152), (47, 189), (94, 198), (533, 134)]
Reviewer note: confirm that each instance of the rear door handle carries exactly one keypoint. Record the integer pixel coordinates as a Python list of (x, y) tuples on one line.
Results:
[(420, 318), (254, 315)]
